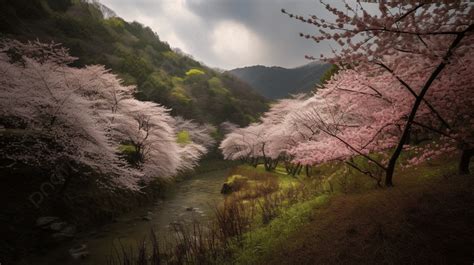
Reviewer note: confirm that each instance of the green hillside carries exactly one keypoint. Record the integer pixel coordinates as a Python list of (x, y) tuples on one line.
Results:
[(95, 35)]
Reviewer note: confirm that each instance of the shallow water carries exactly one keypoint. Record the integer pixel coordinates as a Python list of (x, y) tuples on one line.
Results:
[(201, 192)]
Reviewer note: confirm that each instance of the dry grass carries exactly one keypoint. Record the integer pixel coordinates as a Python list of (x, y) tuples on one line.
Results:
[(233, 218)]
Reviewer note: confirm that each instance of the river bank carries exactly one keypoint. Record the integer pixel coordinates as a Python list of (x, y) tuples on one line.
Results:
[(185, 201), (87, 210)]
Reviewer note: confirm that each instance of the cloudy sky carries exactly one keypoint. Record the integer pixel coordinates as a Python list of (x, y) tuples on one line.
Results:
[(229, 33)]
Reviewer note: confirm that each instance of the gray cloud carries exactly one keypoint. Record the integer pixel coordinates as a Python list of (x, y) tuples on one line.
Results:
[(229, 33)]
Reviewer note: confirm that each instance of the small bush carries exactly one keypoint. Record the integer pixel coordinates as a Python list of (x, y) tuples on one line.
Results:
[(194, 72)]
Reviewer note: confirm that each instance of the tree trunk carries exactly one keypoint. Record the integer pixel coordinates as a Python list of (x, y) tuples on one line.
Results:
[(267, 162), (409, 136), (398, 150), (389, 175), (288, 167), (295, 169), (255, 162), (299, 169), (406, 131), (465, 160), (275, 163)]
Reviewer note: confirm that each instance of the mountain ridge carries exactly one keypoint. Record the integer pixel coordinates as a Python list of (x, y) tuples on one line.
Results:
[(276, 82)]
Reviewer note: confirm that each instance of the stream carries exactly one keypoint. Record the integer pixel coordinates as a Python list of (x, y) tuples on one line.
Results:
[(188, 200)]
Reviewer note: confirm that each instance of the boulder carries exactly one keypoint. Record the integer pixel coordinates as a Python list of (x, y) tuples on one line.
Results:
[(66, 233), (69, 230), (226, 188), (147, 218), (61, 236), (80, 255), (234, 183), (79, 252), (45, 220), (57, 226), (78, 248)]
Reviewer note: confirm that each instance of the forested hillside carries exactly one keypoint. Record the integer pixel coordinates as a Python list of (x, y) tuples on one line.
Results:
[(74, 120), (95, 35), (278, 82)]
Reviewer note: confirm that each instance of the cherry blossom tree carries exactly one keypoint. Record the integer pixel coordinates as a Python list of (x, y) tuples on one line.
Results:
[(41, 100), (281, 134), (197, 142), (362, 114), (432, 34), (147, 127), (452, 96), (245, 144), (227, 127), (349, 117), (51, 113), (198, 133), (265, 141)]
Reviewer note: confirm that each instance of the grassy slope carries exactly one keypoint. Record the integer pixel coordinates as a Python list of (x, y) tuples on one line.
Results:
[(263, 240), (425, 219)]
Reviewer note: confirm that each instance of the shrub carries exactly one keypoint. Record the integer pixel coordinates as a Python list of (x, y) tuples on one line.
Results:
[(194, 72)]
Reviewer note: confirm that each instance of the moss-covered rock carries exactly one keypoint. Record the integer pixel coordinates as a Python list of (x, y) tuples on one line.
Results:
[(234, 183)]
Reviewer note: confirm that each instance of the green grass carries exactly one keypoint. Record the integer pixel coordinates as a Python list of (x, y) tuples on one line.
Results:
[(362, 223), (425, 219), (259, 242), (284, 179), (263, 237)]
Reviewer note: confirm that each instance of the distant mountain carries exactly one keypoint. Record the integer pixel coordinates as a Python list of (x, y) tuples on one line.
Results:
[(96, 35), (278, 82)]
